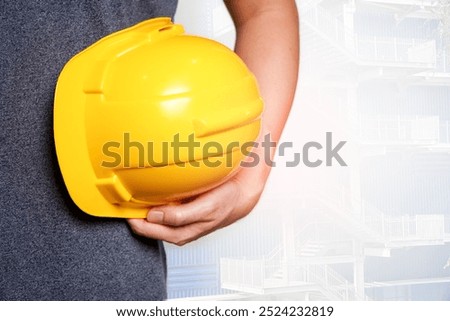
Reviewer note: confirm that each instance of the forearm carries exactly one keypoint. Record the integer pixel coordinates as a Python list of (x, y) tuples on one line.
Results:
[(268, 41)]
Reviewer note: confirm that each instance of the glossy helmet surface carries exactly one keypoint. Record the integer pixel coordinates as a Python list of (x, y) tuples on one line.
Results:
[(123, 105)]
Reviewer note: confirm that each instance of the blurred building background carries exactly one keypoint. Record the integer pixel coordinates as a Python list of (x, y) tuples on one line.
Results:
[(374, 73)]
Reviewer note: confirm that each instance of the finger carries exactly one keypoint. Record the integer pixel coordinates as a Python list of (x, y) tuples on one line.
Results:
[(201, 209), (175, 235), (183, 214)]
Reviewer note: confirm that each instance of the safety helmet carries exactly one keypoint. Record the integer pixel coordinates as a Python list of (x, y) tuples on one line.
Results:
[(149, 116)]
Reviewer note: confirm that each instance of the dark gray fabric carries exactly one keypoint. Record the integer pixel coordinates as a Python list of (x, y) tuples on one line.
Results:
[(49, 249)]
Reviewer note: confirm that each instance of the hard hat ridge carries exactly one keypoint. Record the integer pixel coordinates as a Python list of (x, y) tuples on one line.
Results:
[(150, 85)]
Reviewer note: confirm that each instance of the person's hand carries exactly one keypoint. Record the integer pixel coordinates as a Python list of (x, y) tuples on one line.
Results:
[(217, 208), (272, 54)]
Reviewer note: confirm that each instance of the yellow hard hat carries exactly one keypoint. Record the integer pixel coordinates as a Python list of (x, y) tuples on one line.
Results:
[(148, 116)]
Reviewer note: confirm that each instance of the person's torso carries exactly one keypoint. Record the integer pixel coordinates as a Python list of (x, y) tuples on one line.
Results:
[(49, 249)]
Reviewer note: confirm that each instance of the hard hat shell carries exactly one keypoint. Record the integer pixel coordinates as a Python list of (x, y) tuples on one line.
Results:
[(122, 104)]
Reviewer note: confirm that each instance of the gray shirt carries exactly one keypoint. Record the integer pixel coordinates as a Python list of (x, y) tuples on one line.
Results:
[(49, 249)]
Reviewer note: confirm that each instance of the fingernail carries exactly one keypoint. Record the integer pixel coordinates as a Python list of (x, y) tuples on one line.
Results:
[(155, 216)]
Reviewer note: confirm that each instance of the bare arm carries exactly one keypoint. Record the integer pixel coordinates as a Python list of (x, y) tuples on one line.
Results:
[(268, 41)]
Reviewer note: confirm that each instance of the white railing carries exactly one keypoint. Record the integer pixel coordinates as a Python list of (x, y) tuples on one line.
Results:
[(400, 129), (245, 274), (397, 50), (421, 3), (414, 52), (411, 228), (330, 28), (273, 263), (329, 280), (389, 228), (309, 232), (378, 226), (349, 211), (312, 231)]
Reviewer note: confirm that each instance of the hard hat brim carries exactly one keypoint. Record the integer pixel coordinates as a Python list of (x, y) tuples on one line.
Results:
[(71, 145)]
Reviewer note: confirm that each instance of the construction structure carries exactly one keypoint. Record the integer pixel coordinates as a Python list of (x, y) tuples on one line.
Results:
[(377, 71)]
